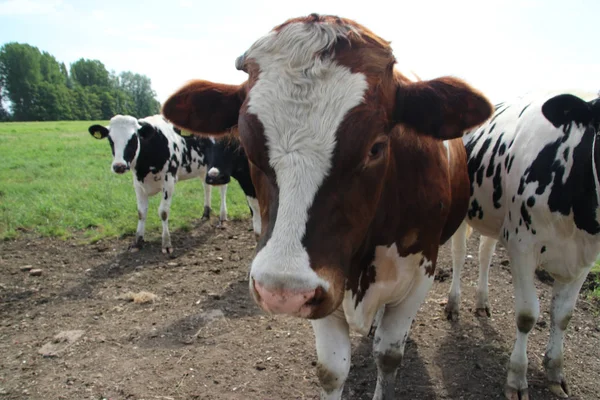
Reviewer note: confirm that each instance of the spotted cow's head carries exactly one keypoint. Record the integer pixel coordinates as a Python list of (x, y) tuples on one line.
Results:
[(316, 117), (224, 157), (124, 133)]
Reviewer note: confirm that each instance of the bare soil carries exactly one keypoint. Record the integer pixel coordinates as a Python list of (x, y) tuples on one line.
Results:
[(203, 338)]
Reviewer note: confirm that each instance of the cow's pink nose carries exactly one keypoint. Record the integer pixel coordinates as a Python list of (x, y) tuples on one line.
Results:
[(285, 301)]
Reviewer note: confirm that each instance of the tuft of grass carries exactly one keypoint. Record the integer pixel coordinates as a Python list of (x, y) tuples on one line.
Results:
[(55, 181)]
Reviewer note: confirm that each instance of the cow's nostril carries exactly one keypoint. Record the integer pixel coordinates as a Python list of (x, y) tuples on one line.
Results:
[(318, 297)]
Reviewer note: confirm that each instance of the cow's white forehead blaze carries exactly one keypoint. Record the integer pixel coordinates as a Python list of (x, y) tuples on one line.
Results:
[(121, 129), (300, 98)]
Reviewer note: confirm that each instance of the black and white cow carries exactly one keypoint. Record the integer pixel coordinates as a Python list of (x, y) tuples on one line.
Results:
[(159, 157), (226, 159), (534, 169)]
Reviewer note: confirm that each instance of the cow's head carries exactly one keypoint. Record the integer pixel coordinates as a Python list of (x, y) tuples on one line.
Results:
[(316, 117), (223, 158), (124, 133)]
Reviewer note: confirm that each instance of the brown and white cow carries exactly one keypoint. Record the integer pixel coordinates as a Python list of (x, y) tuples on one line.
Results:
[(356, 186)]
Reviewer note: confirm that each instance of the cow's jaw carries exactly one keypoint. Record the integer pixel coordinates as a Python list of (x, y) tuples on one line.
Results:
[(300, 101)]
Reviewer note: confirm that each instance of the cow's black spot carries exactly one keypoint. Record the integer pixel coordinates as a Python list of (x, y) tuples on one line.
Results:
[(510, 163), (523, 110), (578, 192), (502, 150), (166, 195), (530, 201), (497, 181), (491, 165), (476, 210), (543, 249), (112, 146), (566, 154), (154, 153), (130, 149), (475, 164), (509, 216), (526, 216), (498, 113)]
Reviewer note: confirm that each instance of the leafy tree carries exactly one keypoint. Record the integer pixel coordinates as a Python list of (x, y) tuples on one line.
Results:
[(38, 87), (90, 73), (139, 87), (20, 73)]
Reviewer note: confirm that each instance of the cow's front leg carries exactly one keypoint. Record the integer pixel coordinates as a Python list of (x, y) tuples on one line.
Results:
[(333, 353), (223, 211), (392, 332), (142, 206), (163, 211), (564, 297), (459, 253), (207, 198), (527, 310), (487, 246)]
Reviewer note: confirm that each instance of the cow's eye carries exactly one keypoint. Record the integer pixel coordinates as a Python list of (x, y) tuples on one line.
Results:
[(377, 150)]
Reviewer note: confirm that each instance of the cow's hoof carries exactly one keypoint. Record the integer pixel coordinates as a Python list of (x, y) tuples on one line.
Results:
[(221, 224), (451, 312), (136, 246), (560, 389), (516, 394), (167, 250), (206, 214), (483, 312)]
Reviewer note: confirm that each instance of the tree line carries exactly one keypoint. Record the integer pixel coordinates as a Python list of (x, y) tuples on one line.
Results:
[(34, 86)]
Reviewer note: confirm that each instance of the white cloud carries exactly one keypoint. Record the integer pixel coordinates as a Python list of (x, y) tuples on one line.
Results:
[(30, 7)]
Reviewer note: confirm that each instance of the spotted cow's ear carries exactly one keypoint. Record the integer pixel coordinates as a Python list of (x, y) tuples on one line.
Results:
[(146, 131), (566, 108), (443, 108), (98, 131)]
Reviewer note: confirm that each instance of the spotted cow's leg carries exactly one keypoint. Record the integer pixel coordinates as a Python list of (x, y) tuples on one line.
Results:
[(255, 210), (223, 211), (527, 311), (163, 211), (207, 198), (459, 252), (142, 206), (333, 354), (392, 332), (487, 246), (564, 297)]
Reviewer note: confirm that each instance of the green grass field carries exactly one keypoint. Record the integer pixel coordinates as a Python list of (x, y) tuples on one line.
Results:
[(55, 181)]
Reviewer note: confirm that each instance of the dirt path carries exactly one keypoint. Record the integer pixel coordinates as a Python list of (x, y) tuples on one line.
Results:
[(203, 338)]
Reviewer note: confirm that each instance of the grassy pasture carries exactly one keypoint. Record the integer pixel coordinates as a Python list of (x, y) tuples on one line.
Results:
[(55, 181)]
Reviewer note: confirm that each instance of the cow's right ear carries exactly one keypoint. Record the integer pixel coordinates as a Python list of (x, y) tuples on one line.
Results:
[(205, 107), (98, 131)]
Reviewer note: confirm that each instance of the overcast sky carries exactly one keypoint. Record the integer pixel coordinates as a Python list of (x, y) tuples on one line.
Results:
[(502, 47)]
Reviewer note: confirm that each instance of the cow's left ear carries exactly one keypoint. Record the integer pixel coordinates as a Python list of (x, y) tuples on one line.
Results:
[(146, 131), (443, 108), (98, 131)]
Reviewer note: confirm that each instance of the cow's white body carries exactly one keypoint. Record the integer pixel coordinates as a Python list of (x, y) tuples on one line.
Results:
[(534, 188)]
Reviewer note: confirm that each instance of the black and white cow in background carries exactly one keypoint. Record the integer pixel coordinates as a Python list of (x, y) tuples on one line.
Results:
[(158, 156), (226, 158), (534, 169)]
